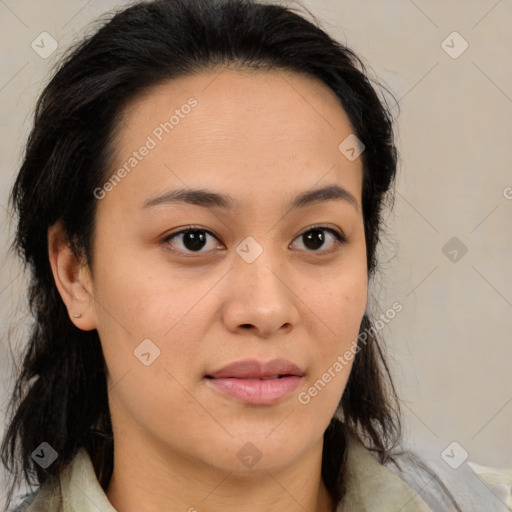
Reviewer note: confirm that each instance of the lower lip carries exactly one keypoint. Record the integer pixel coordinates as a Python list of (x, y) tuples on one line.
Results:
[(257, 391)]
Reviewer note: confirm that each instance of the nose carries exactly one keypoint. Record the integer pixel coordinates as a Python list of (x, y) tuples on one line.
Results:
[(261, 297)]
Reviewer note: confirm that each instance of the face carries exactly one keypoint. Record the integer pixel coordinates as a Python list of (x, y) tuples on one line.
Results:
[(184, 286)]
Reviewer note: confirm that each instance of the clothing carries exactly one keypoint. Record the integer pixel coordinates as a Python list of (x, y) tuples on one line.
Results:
[(371, 487)]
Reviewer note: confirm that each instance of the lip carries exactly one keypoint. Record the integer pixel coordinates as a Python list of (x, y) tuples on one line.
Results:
[(250, 380), (254, 369)]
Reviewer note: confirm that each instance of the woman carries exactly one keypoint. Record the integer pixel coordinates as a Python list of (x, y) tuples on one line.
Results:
[(199, 205)]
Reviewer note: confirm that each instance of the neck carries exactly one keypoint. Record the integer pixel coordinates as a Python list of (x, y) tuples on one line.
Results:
[(155, 479)]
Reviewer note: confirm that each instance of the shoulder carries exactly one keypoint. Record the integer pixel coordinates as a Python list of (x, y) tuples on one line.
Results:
[(23, 502), (58, 494), (45, 499), (445, 488)]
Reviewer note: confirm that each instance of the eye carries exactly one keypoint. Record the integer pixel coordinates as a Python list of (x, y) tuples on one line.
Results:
[(193, 239), (314, 238)]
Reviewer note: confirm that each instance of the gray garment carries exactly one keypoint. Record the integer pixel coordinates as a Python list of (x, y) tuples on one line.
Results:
[(469, 490)]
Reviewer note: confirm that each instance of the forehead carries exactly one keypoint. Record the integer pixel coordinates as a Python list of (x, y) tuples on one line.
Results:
[(243, 128), (233, 98)]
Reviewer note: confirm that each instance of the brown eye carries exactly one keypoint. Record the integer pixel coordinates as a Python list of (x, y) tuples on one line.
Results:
[(190, 240), (315, 238)]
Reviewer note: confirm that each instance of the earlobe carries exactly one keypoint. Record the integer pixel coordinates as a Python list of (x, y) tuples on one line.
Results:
[(72, 279)]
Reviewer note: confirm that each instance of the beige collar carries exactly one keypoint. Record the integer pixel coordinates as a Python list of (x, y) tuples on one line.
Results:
[(371, 486)]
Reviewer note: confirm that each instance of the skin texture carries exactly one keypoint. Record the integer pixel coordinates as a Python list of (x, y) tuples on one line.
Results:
[(261, 137)]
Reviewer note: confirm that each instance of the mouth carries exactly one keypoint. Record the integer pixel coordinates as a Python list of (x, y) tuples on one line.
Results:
[(255, 382)]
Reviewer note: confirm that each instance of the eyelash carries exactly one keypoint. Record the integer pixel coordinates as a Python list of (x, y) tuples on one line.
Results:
[(339, 238)]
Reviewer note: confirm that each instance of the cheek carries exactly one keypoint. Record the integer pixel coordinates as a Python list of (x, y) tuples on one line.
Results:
[(136, 299), (340, 300), (144, 316), (342, 313), (339, 308)]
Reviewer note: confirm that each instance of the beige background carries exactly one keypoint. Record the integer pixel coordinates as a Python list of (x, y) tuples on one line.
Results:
[(450, 346)]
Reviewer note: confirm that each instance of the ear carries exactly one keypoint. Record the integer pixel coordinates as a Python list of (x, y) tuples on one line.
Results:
[(72, 278)]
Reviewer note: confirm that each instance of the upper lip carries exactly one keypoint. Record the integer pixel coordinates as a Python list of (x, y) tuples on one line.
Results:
[(254, 369)]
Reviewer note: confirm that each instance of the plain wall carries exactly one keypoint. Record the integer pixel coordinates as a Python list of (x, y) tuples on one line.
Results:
[(449, 347)]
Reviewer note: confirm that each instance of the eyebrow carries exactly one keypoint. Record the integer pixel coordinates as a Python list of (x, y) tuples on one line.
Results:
[(209, 199)]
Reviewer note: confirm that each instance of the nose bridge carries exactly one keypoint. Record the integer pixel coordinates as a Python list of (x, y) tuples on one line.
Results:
[(257, 264), (261, 297)]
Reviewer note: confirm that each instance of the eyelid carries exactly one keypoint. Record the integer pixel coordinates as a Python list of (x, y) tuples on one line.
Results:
[(336, 231)]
